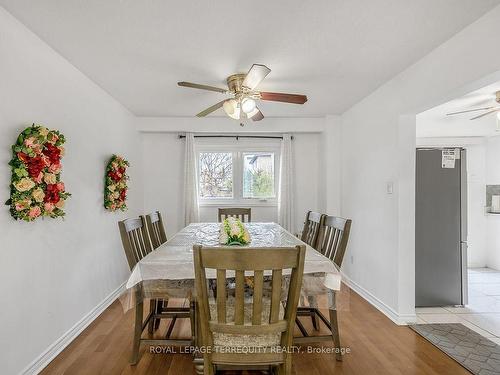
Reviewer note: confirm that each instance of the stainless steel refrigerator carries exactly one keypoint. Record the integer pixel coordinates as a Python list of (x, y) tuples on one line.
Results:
[(441, 227)]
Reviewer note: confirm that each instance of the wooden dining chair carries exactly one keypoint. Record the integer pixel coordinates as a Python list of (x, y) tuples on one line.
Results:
[(332, 243), (312, 226), (156, 229), (262, 322), (333, 238), (137, 245), (244, 214), (135, 239)]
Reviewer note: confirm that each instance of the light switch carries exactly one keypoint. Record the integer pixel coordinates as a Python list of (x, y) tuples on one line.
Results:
[(390, 187)]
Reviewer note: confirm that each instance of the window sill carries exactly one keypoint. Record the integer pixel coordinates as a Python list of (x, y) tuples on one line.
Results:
[(240, 203)]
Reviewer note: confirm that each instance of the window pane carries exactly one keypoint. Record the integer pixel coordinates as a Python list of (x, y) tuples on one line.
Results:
[(216, 175), (258, 175)]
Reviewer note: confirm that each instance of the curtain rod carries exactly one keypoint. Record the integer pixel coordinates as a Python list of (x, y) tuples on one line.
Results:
[(236, 136)]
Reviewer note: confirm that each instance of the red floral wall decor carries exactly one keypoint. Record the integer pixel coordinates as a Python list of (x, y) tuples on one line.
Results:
[(115, 189), (36, 189)]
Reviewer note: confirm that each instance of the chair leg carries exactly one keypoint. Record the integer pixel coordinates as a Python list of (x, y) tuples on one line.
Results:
[(335, 333), (159, 308), (314, 317), (153, 305), (192, 319), (139, 311), (208, 367), (286, 367)]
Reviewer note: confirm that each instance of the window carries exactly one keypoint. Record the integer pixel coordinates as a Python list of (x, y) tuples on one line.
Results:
[(238, 174), (216, 175), (258, 175)]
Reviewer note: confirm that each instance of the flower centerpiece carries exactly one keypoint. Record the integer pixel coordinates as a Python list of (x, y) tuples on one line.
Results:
[(115, 190), (36, 188), (233, 232)]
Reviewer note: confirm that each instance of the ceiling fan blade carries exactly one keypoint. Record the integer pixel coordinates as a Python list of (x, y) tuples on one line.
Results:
[(469, 110), (210, 109), (487, 113), (202, 87), (255, 75), (258, 115), (285, 98)]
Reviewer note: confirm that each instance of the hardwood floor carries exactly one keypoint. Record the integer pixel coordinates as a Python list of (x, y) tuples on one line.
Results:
[(377, 346)]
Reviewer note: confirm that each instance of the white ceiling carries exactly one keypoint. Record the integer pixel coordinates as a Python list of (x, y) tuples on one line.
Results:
[(334, 51), (435, 122)]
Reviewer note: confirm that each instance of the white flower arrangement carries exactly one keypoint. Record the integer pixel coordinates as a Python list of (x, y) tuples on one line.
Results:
[(233, 232)]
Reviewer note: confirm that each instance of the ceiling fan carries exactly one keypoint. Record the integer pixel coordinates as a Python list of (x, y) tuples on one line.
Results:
[(489, 110), (241, 87)]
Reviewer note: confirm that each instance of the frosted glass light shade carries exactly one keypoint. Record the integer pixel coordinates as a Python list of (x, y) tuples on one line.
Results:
[(248, 105), (231, 108)]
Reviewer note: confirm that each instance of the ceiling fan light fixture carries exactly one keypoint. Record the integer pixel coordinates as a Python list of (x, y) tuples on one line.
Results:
[(241, 87), (232, 108), (248, 105)]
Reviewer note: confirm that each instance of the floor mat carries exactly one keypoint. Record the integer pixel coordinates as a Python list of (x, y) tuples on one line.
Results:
[(473, 351)]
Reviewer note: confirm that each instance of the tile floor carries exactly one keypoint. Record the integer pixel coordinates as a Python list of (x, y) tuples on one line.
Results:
[(482, 314)]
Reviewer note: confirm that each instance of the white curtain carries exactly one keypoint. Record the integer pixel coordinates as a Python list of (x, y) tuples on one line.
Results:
[(191, 207), (286, 197)]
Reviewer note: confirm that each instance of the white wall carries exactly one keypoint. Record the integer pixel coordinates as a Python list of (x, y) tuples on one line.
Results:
[(163, 169), (54, 272), (493, 221), (378, 142), (331, 168)]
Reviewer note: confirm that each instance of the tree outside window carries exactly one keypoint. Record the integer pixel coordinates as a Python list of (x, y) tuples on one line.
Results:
[(216, 175), (258, 175)]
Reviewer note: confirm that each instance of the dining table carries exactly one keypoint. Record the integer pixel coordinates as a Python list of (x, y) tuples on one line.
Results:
[(168, 272)]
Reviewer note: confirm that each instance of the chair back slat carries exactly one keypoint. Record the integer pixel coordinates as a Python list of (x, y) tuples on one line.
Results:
[(244, 214), (135, 239), (275, 296), (139, 248), (239, 303), (258, 284), (256, 261), (221, 297), (312, 226), (333, 238), (156, 229)]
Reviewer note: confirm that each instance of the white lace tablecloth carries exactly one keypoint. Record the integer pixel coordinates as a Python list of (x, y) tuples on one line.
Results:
[(171, 265)]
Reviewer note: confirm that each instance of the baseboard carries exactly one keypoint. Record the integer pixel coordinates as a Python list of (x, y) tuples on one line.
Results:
[(399, 319), (60, 344), (476, 265)]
